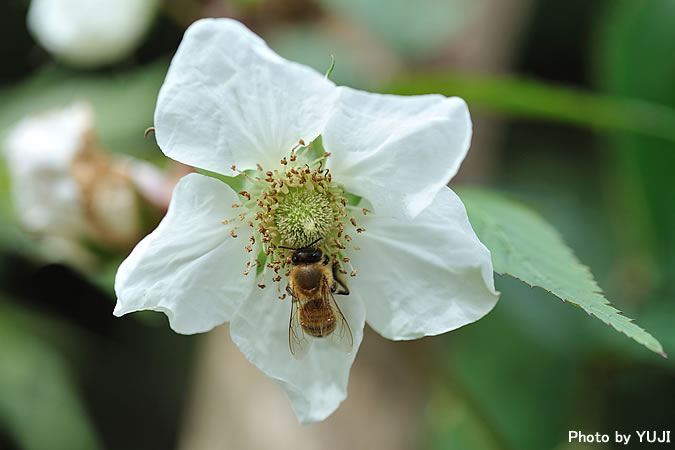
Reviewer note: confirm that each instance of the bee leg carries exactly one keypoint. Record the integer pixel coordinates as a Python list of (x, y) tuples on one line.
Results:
[(289, 290), (340, 282)]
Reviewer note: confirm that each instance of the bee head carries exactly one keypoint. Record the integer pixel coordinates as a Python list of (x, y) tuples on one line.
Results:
[(306, 256)]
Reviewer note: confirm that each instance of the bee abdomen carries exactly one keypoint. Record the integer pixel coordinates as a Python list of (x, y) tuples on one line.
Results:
[(317, 318)]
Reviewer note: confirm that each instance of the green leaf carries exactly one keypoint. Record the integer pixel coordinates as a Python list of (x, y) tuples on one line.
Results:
[(525, 247), (531, 99)]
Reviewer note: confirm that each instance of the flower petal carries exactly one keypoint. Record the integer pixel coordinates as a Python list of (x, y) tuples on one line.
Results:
[(315, 384), (228, 99), (189, 268), (392, 149), (423, 277)]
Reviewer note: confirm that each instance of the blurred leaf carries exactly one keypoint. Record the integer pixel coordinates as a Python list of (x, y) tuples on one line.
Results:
[(357, 65), (524, 246), (537, 100), (39, 404), (634, 57), (452, 422), (510, 378), (124, 103), (410, 27)]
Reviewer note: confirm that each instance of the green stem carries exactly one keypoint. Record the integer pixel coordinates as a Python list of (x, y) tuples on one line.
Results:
[(524, 98)]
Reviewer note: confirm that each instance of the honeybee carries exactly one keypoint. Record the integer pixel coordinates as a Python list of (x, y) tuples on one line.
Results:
[(314, 312)]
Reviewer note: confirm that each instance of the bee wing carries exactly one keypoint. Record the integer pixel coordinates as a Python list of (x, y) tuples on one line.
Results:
[(297, 341), (341, 338)]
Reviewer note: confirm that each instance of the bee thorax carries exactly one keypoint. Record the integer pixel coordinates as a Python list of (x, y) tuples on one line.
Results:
[(308, 278)]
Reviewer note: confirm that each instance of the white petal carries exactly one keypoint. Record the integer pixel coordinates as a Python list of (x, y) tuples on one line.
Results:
[(90, 32), (228, 99), (316, 384), (189, 268), (423, 277), (397, 152)]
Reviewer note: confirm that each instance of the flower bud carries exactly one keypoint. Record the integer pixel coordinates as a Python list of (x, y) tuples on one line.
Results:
[(90, 33), (66, 188)]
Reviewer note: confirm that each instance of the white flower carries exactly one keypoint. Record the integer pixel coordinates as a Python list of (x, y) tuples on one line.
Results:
[(66, 190), (227, 101), (90, 33)]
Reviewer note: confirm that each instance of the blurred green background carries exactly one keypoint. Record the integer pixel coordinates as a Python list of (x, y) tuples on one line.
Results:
[(574, 114)]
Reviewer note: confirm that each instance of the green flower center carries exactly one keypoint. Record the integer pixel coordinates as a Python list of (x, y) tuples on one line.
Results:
[(302, 217), (294, 206)]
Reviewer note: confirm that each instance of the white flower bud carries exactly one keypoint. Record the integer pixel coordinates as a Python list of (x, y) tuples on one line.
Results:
[(65, 188), (90, 33)]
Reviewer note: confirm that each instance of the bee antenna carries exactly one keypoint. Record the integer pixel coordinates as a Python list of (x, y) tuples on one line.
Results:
[(300, 248), (312, 244)]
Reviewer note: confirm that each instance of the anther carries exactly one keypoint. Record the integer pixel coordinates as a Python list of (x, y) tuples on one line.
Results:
[(365, 211), (245, 194), (353, 273)]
